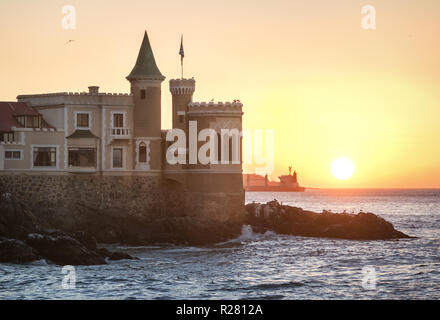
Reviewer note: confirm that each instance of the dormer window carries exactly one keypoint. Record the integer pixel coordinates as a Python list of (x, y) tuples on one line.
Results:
[(29, 121)]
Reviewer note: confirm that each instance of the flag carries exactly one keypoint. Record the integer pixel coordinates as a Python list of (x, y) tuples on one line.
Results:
[(181, 52)]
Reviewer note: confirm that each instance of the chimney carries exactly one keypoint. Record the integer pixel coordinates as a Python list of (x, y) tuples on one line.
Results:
[(93, 90)]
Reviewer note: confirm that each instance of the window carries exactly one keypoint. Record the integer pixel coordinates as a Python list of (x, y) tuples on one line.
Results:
[(7, 136), (82, 157), (118, 120), (32, 122), (117, 158), (13, 155), (143, 94), (142, 152), (219, 148), (44, 156), (21, 120), (181, 118), (29, 121), (82, 120)]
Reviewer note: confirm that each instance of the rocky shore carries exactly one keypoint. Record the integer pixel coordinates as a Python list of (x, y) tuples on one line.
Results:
[(65, 238), (23, 239), (295, 221)]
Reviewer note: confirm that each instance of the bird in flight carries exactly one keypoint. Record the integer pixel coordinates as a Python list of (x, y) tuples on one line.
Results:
[(69, 41)]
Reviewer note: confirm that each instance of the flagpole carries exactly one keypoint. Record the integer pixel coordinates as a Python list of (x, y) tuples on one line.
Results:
[(182, 54)]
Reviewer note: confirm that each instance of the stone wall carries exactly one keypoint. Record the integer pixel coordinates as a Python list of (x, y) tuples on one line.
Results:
[(122, 208), (133, 194)]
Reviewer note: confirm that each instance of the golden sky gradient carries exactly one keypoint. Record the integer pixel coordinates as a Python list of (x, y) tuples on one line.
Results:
[(305, 69)]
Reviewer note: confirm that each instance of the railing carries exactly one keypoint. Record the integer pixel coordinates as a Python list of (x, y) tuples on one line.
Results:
[(120, 133)]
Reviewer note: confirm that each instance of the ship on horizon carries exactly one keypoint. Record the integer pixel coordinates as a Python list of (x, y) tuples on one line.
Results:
[(287, 183)]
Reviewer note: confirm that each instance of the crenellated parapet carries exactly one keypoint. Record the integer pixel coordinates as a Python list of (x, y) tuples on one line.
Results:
[(92, 97), (233, 108), (182, 86)]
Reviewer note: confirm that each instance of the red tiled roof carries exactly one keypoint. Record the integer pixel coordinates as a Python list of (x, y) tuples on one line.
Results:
[(8, 112)]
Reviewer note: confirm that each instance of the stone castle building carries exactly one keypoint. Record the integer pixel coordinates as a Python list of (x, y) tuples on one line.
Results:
[(107, 150)]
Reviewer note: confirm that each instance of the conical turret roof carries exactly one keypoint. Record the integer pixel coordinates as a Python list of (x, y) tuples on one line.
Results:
[(145, 67)]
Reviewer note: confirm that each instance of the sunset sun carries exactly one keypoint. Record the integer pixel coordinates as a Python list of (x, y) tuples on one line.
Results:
[(342, 168)]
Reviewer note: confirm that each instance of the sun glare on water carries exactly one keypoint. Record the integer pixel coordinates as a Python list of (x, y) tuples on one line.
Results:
[(342, 168)]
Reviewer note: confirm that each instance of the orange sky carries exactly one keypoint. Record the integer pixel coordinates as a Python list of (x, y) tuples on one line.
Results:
[(305, 69)]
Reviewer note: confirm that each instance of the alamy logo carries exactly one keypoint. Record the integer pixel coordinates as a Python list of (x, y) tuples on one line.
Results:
[(69, 280), (369, 18), (225, 147), (369, 278), (68, 21)]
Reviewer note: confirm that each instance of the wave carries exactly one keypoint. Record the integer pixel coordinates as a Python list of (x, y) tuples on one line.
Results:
[(248, 234), (41, 262)]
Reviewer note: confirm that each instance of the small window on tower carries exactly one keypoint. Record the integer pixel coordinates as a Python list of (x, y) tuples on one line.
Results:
[(143, 94), (181, 118), (142, 152)]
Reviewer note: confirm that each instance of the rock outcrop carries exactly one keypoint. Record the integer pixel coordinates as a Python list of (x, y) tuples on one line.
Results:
[(16, 251), (63, 249), (23, 239), (296, 221), (27, 235)]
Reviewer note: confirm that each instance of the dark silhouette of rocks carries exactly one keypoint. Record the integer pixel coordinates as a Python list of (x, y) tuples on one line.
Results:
[(296, 221), (23, 239), (114, 255), (63, 250), (27, 235), (16, 251)]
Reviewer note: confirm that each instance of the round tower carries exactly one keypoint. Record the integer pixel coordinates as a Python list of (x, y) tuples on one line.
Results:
[(146, 80), (182, 91)]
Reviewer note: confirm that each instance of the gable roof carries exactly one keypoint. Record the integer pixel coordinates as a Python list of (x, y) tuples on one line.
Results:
[(8, 112), (145, 67)]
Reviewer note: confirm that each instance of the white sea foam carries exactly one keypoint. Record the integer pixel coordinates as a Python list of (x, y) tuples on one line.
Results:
[(248, 234)]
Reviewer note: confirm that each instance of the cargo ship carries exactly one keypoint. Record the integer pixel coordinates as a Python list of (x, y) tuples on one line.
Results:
[(288, 183)]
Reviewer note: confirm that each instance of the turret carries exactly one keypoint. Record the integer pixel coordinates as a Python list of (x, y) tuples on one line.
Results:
[(182, 91), (145, 80)]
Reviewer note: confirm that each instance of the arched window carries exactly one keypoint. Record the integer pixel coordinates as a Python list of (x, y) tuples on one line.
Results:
[(142, 152)]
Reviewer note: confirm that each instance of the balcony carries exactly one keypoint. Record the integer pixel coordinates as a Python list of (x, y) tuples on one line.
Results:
[(119, 134)]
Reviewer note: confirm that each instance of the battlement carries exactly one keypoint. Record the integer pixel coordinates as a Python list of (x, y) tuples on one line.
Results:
[(235, 104), (233, 108), (92, 97), (62, 94), (182, 86)]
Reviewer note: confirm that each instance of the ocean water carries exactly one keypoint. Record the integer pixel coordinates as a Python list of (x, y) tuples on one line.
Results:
[(267, 266)]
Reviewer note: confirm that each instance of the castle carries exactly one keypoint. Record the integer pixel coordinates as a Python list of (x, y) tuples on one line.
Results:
[(107, 150)]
